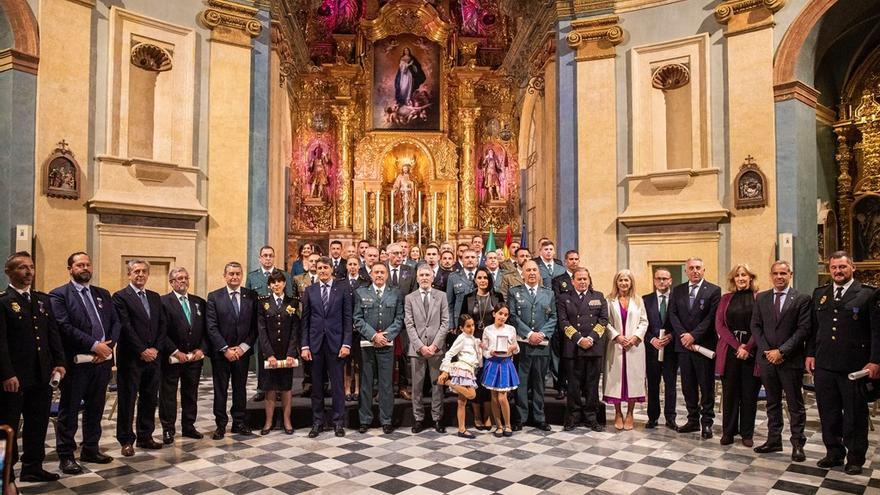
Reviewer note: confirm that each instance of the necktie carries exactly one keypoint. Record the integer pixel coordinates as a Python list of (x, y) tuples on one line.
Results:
[(839, 295), (379, 294), (663, 308), (184, 302), (143, 297), (27, 296), (532, 292), (278, 302), (692, 295), (581, 296), (235, 307), (352, 282), (425, 301), (394, 277), (471, 277), (314, 279), (266, 274), (325, 296), (94, 319), (777, 304)]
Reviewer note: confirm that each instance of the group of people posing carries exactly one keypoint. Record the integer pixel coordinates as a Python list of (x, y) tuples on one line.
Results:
[(363, 328)]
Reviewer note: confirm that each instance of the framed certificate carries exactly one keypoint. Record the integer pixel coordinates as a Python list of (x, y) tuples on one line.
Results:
[(501, 344)]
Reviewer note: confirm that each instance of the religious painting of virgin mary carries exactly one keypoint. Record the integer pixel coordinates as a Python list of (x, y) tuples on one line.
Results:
[(406, 84)]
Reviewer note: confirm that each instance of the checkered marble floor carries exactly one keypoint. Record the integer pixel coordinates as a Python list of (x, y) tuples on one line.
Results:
[(641, 461)]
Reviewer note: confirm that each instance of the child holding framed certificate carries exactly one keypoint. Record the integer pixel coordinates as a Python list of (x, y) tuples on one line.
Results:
[(499, 375)]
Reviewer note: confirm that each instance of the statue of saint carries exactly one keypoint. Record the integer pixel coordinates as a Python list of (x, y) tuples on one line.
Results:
[(319, 165), (492, 170), (404, 188)]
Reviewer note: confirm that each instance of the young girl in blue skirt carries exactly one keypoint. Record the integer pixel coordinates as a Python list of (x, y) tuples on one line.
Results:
[(499, 374)]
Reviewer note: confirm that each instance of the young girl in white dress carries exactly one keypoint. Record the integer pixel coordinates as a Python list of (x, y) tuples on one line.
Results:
[(461, 375), (499, 375)]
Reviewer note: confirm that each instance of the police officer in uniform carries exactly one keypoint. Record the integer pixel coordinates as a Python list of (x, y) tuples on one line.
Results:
[(533, 315), (30, 354), (583, 316), (378, 319), (843, 340)]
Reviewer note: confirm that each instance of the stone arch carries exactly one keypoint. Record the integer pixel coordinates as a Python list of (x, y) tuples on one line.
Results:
[(23, 24), (790, 50)]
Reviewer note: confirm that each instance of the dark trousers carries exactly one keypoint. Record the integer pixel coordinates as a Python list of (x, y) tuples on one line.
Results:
[(698, 387), (187, 376), (222, 371), (327, 365), (843, 413), (668, 371), (32, 403), (582, 388), (532, 370), (138, 387), (778, 380), (376, 364), (259, 365), (739, 396), (84, 384)]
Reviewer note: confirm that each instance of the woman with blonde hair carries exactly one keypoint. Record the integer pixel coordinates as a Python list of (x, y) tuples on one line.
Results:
[(735, 356), (625, 356)]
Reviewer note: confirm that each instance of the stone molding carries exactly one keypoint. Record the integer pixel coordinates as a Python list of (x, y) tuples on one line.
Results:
[(796, 90), (595, 38), (743, 16), (231, 22)]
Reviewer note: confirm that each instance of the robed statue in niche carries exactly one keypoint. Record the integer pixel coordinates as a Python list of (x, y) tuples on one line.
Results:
[(492, 172), (318, 167), (406, 83), (404, 189)]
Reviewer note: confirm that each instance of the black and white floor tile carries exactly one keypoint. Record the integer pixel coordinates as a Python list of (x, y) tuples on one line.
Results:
[(641, 461)]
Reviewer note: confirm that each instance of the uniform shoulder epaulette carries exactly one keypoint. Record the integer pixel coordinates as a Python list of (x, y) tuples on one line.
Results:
[(2, 293), (38, 293), (267, 296)]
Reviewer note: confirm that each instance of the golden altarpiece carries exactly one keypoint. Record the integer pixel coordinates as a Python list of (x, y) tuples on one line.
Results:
[(857, 131), (403, 128)]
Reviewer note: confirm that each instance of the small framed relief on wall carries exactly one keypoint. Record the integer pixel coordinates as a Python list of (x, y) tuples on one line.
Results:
[(751, 186), (61, 174)]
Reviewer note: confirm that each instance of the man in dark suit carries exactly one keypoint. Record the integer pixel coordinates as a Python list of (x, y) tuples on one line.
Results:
[(692, 319), (187, 345), (656, 307), (353, 276), (583, 316), (781, 325), (371, 255), (326, 342), (88, 326), (143, 333), (231, 319), (845, 337), (30, 354), (561, 284), (337, 260), (565, 283), (441, 274), (402, 278)]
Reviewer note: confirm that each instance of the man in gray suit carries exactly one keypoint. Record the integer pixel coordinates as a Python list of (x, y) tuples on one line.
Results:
[(378, 318), (427, 321)]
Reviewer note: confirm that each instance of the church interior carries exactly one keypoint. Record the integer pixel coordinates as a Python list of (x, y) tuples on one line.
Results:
[(640, 133)]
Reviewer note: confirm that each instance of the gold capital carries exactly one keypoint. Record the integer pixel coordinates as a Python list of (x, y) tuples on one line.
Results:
[(742, 16), (231, 22), (595, 38)]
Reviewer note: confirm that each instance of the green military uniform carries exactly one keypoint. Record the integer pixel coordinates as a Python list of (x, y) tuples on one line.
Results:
[(510, 279), (532, 313), (373, 314)]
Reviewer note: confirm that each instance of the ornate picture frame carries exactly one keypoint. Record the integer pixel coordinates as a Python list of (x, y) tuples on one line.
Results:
[(750, 186), (62, 177)]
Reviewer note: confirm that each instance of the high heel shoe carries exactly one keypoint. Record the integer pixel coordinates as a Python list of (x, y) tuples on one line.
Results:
[(498, 432), (265, 431), (288, 431), (628, 422), (618, 421)]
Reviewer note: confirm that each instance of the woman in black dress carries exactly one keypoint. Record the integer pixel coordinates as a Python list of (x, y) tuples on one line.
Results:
[(278, 331), (479, 304)]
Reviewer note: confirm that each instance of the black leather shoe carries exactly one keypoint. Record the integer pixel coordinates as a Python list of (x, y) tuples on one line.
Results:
[(315, 431), (544, 426), (850, 469), (70, 466), (40, 475), (671, 425), (466, 434), (726, 440), (148, 444), (193, 434), (706, 433), (767, 448), (363, 428), (260, 396), (243, 431), (560, 395), (829, 462), (516, 427), (339, 431), (167, 437), (689, 428), (418, 427), (568, 427), (127, 450), (650, 425), (387, 429), (596, 427), (797, 454), (95, 457), (439, 428), (218, 434)]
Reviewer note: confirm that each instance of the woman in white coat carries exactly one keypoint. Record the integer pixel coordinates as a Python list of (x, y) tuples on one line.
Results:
[(625, 354)]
